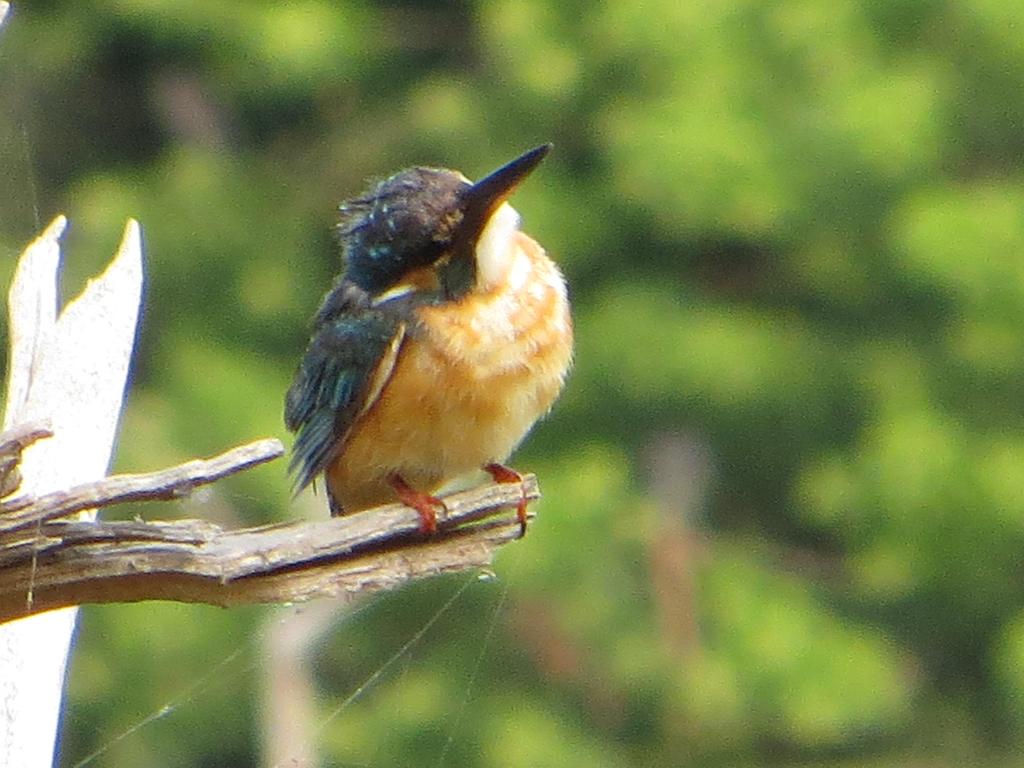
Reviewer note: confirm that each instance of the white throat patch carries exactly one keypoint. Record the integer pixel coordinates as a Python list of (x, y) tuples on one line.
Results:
[(494, 247)]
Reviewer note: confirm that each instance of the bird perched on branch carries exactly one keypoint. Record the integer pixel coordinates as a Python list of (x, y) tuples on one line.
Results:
[(445, 338)]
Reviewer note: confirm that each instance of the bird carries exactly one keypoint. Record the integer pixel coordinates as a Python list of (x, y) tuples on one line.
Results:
[(446, 336)]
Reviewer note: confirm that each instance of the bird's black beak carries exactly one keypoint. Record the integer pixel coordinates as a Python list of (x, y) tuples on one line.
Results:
[(482, 199)]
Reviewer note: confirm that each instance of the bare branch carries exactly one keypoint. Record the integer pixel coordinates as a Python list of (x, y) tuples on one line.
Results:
[(173, 483), (195, 561), (12, 443)]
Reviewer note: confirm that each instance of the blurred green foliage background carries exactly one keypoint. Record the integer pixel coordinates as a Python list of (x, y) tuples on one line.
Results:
[(783, 520)]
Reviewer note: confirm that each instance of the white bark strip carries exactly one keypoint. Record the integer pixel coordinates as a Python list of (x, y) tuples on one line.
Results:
[(67, 372)]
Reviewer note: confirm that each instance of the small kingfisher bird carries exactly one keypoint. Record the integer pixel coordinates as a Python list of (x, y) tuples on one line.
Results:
[(447, 336)]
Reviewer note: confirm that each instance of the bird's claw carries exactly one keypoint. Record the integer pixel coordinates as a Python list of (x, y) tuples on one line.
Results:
[(502, 474), (426, 505)]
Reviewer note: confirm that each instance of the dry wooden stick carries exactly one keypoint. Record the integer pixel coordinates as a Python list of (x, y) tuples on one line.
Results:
[(195, 561), (173, 483), (12, 443)]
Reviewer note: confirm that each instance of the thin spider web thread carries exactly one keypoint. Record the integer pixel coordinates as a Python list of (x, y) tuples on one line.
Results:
[(499, 603), (194, 691), (391, 661)]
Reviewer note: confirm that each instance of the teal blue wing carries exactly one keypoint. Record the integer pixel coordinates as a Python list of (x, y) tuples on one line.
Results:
[(347, 364)]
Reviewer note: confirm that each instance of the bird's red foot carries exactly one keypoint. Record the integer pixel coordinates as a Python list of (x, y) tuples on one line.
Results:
[(427, 505), (503, 474)]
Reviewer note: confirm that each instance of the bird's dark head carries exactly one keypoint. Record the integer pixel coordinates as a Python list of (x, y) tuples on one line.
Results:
[(419, 230)]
